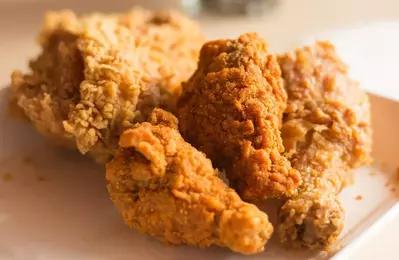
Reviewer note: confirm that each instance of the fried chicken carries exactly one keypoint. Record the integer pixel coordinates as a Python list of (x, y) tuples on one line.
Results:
[(164, 187), (231, 110), (99, 74), (327, 133)]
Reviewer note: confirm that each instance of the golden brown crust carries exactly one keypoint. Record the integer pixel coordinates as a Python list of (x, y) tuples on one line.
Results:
[(326, 132), (164, 187), (99, 74), (160, 117), (231, 109)]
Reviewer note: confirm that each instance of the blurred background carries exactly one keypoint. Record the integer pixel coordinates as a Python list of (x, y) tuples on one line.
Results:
[(284, 23), (280, 21)]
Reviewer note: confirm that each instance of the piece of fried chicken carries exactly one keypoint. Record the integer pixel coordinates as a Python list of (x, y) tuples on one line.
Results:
[(231, 110), (164, 187), (98, 74), (327, 133)]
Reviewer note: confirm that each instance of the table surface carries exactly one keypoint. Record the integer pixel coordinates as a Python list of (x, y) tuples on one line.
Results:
[(284, 27)]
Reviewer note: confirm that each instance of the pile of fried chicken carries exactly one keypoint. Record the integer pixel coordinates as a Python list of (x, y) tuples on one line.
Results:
[(142, 93)]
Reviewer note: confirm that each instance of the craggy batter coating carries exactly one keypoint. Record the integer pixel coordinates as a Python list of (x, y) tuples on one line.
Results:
[(164, 187), (327, 133), (99, 74), (160, 117), (231, 110)]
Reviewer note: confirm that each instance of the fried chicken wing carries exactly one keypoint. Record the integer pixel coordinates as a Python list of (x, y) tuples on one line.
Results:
[(231, 110), (99, 74), (327, 133), (164, 187)]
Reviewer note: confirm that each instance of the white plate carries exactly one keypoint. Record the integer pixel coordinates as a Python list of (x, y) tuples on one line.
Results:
[(55, 205)]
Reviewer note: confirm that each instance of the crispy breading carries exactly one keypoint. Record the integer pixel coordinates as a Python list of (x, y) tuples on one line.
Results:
[(327, 133), (98, 74), (231, 109), (164, 187)]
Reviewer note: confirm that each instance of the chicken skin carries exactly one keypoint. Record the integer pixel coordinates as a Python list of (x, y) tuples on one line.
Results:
[(327, 133), (164, 187), (99, 74), (231, 109)]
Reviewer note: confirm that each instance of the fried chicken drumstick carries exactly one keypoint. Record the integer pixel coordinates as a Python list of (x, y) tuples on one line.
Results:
[(231, 110), (164, 187), (99, 74), (327, 133)]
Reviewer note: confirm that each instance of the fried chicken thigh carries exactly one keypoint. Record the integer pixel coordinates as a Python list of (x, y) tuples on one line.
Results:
[(327, 133), (164, 187), (99, 74), (231, 110)]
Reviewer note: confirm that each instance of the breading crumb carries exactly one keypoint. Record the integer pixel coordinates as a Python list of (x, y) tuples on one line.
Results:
[(348, 181), (359, 197), (7, 177), (41, 178), (27, 160), (372, 173), (393, 189)]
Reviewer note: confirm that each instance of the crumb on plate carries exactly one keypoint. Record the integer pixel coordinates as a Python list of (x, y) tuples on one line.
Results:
[(27, 160), (348, 181), (359, 197), (41, 178), (7, 176)]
